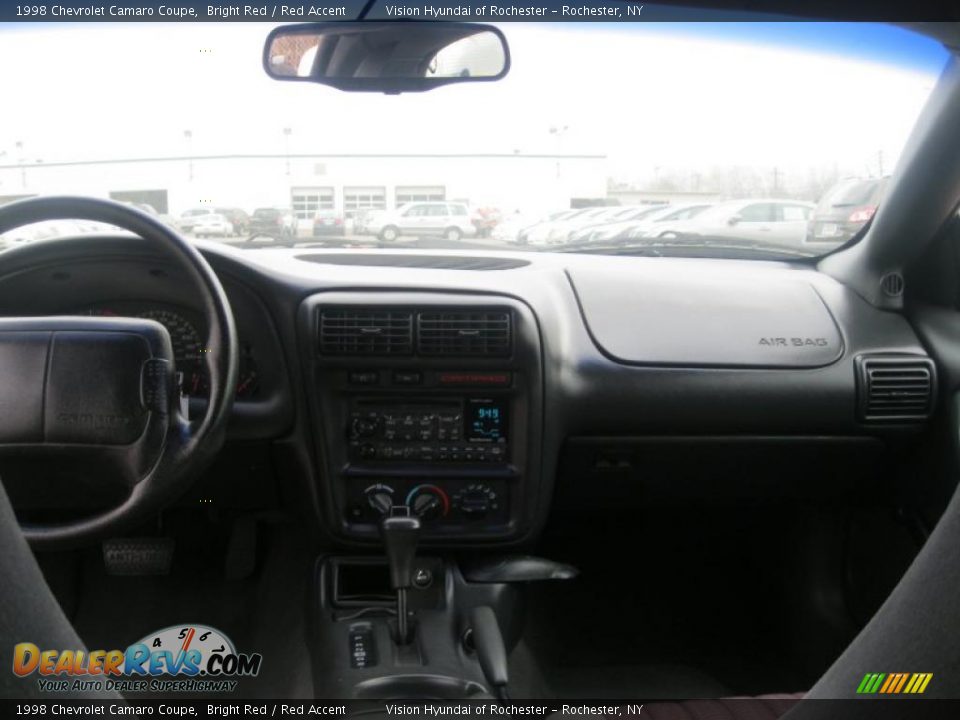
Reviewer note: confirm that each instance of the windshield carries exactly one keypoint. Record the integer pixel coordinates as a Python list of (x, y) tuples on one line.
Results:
[(638, 119)]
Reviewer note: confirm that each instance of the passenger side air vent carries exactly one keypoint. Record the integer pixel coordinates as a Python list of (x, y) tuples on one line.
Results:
[(476, 333), (366, 331), (895, 388)]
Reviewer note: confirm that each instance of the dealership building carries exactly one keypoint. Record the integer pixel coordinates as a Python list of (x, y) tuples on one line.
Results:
[(307, 183)]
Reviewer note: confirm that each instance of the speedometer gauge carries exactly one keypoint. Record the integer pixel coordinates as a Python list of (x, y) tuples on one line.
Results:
[(187, 347)]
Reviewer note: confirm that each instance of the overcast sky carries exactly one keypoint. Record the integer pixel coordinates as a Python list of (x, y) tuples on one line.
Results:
[(646, 96)]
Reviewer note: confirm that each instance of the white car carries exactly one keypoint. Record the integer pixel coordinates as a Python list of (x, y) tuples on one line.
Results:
[(640, 225), (511, 228), (774, 221), (213, 225), (50, 229), (189, 218), (450, 220), (560, 232)]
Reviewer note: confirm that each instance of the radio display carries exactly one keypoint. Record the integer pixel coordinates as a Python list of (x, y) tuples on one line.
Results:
[(485, 421)]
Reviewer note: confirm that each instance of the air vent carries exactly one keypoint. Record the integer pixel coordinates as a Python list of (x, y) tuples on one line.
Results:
[(895, 388), (366, 331), (892, 284), (474, 333)]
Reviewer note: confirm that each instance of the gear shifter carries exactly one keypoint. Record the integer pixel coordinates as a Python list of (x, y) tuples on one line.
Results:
[(401, 531)]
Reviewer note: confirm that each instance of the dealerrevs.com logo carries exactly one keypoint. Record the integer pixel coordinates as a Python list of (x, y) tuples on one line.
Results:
[(179, 658)]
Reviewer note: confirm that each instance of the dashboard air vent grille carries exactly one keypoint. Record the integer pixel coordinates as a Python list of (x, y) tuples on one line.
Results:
[(478, 333), (895, 388), (366, 331)]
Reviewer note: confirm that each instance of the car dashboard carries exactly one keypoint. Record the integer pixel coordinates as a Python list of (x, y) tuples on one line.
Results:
[(483, 390)]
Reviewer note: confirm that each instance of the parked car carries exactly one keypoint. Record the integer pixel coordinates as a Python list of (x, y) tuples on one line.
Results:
[(773, 221), (239, 219), (845, 208), (327, 223), (213, 225), (50, 229), (485, 220), (450, 220), (546, 233), (516, 228), (616, 223), (188, 218), (563, 231), (276, 223), (151, 210)]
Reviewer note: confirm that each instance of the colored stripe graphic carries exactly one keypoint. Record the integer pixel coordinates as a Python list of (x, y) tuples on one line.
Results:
[(894, 683)]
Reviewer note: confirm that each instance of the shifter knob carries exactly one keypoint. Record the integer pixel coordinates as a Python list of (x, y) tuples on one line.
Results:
[(400, 532)]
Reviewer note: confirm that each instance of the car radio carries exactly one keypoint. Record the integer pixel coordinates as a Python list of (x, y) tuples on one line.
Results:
[(462, 430)]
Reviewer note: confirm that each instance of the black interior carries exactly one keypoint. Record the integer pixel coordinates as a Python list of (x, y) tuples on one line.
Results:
[(726, 495)]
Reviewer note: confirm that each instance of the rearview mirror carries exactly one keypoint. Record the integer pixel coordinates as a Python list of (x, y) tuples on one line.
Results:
[(389, 57), (734, 219)]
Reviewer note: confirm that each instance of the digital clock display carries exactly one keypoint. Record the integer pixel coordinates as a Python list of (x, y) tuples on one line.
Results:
[(486, 420)]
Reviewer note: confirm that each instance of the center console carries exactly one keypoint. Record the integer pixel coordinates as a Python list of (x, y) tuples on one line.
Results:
[(428, 400)]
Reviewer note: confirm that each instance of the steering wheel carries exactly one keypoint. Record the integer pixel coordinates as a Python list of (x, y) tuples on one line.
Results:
[(101, 392)]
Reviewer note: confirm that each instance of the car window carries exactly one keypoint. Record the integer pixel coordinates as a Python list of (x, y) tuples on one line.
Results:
[(758, 212), (794, 213)]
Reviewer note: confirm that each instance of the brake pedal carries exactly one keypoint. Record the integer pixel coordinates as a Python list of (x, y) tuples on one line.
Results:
[(138, 556)]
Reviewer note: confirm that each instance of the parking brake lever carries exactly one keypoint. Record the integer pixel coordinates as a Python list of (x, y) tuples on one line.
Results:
[(491, 651), (401, 531)]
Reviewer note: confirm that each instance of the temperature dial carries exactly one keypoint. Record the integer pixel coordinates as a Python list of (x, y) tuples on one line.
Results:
[(428, 502), (379, 498)]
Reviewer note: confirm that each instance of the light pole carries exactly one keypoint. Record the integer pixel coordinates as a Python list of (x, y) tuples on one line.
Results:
[(287, 132), (23, 164), (558, 131), (188, 136)]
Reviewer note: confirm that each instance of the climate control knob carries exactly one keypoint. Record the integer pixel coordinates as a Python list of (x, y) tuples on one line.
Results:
[(428, 502), (476, 500), (379, 498)]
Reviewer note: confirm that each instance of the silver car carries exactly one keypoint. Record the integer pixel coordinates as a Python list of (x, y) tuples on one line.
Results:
[(450, 220), (773, 221)]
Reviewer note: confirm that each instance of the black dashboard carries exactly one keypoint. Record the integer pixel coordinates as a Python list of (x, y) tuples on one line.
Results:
[(471, 387)]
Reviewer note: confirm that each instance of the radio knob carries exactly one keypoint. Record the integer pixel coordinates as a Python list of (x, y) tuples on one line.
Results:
[(364, 427), (368, 451)]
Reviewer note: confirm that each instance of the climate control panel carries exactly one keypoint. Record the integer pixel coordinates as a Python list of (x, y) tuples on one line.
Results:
[(448, 502)]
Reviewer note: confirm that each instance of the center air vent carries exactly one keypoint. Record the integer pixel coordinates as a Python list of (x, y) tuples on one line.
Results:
[(366, 331), (895, 388), (474, 333)]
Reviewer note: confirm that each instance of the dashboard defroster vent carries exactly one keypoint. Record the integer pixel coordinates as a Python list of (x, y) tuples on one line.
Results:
[(895, 388), (477, 333), (366, 331)]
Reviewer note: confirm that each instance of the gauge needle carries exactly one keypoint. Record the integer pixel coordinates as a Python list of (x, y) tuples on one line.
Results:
[(186, 641), (185, 646)]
